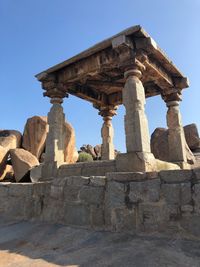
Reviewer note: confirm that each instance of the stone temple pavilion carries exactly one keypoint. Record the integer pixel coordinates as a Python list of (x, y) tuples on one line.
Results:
[(121, 70)]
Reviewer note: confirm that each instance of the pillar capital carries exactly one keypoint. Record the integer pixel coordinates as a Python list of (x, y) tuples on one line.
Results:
[(173, 99), (55, 89), (107, 112), (107, 131)]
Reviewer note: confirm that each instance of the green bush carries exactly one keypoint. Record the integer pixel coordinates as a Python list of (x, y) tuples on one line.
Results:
[(83, 156)]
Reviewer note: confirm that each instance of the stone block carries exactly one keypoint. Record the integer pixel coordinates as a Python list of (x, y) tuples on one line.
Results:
[(92, 195), (53, 210), (196, 172), (36, 173), (186, 210), (98, 168), (3, 190), (185, 193), (153, 216), (174, 212), (176, 176), (66, 170), (114, 198), (196, 198), (77, 180), (21, 190), (123, 219), (171, 193), (191, 225), (71, 193), (41, 189), (131, 176), (97, 216), (135, 162), (76, 214), (148, 190), (177, 194), (56, 192), (97, 180)]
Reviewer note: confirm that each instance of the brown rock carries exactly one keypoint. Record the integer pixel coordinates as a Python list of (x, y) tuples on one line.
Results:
[(3, 160), (90, 150), (8, 174), (97, 150), (35, 133), (159, 146), (22, 162), (10, 139), (192, 136), (70, 153)]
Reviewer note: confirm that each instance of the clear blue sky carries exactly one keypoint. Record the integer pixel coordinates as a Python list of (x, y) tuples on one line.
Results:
[(36, 34)]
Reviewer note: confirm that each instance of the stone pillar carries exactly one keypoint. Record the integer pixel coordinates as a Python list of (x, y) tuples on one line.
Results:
[(136, 124), (107, 133), (176, 136), (54, 152), (56, 134), (139, 156)]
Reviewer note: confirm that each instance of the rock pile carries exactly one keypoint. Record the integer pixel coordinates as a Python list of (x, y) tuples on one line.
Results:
[(159, 143), (95, 151), (19, 153)]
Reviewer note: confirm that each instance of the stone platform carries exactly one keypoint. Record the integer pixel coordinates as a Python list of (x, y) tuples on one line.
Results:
[(167, 202)]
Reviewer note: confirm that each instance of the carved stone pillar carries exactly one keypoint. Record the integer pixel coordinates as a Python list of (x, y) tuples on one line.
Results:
[(54, 152), (107, 132), (136, 124), (176, 138), (56, 134)]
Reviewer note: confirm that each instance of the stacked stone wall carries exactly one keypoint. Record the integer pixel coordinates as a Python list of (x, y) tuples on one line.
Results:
[(168, 201)]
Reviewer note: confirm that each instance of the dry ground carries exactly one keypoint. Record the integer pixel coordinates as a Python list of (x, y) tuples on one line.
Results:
[(31, 244)]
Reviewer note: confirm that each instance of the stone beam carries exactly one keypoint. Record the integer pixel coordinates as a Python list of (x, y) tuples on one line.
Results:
[(88, 93)]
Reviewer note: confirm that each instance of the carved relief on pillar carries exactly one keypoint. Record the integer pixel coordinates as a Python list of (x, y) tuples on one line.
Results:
[(107, 132)]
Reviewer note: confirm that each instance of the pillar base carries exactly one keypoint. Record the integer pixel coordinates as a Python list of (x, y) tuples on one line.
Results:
[(136, 162)]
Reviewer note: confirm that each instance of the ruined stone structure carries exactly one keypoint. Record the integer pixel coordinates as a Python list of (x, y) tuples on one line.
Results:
[(129, 193), (124, 69)]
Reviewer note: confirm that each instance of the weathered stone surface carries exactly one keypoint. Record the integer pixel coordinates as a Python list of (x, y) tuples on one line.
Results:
[(177, 194), (192, 136), (36, 173), (22, 162), (160, 146), (136, 162), (97, 180), (3, 160), (148, 191), (164, 165), (123, 219), (152, 215), (114, 198), (131, 176), (70, 152), (92, 195), (10, 139), (7, 174), (97, 150), (34, 136), (196, 198), (176, 176), (76, 214)]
